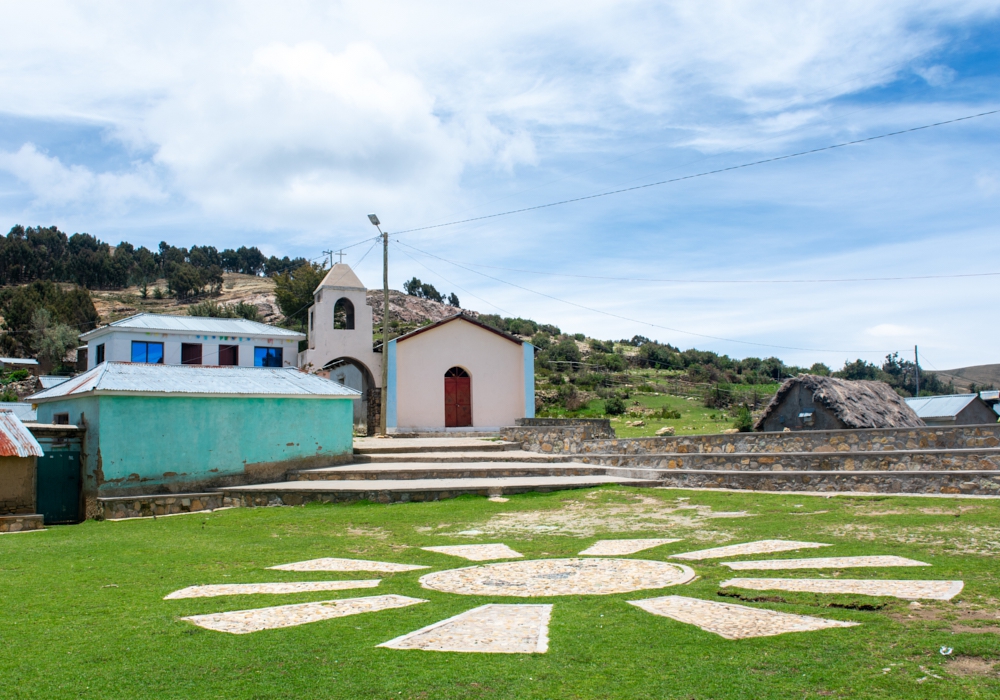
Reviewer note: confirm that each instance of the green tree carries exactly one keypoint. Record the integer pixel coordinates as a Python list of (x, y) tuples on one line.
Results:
[(72, 307), (50, 339), (744, 419), (293, 290)]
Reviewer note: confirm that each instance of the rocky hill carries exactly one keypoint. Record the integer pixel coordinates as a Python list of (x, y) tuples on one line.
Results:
[(964, 377), (410, 310)]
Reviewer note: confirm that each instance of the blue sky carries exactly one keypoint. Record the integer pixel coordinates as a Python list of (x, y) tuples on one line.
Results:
[(283, 126)]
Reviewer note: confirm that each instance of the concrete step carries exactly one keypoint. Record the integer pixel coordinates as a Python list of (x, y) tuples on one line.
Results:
[(378, 446), (889, 461), (929, 482), (462, 457), (393, 490), (454, 470)]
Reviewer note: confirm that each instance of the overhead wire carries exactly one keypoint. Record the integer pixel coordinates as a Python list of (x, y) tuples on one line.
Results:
[(633, 320), (701, 174), (464, 290)]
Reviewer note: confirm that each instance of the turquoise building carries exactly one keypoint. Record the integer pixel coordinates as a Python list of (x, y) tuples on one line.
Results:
[(154, 428)]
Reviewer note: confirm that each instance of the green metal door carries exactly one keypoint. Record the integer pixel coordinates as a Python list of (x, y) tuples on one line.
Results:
[(59, 486)]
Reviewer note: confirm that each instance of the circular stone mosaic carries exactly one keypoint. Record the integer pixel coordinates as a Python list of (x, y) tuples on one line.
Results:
[(555, 577)]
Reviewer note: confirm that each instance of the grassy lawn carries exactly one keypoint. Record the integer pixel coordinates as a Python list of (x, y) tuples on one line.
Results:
[(695, 418), (84, 615)]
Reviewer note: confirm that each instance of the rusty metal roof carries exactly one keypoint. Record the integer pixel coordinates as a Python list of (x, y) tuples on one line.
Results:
[(140, 378), (15, 439)]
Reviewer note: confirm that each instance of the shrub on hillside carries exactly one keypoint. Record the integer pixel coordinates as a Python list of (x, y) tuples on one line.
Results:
[(744, 419), (614, 406)]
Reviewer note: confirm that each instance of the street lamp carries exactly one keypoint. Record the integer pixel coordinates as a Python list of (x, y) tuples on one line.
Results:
[(383, 394)]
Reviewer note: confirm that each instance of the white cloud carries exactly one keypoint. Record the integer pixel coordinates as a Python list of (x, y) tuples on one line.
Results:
[(937, 76)]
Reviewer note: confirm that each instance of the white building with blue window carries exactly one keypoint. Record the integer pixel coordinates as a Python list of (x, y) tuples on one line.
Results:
[(192, 340)]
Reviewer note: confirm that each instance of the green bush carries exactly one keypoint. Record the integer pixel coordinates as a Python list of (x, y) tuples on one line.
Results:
[(17, 375), (667, 414), (614, 406), (744, 419)]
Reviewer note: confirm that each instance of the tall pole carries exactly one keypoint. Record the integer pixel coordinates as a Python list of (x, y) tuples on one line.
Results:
[(385, 331), (916, 371)]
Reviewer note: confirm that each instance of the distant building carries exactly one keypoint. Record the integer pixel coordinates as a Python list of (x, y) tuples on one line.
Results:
[(954, 409), (167, 429), (811, 402), (11, 363), (192, 340), (19, 451)]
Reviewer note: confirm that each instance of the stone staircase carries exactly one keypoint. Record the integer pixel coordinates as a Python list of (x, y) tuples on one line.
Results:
[(428, 469), (954, 460)]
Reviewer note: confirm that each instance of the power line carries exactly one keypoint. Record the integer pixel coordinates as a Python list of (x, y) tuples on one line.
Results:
[(464, 290), (697, 175), (633, 320)]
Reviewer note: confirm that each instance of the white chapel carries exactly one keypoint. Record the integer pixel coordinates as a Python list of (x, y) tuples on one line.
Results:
[(455, 375)]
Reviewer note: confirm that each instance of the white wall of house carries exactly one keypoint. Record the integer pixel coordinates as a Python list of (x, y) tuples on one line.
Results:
[(495, 364), (118, 346)]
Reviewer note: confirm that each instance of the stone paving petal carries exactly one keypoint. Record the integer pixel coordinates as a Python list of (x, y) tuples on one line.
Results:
[(247, 621), (477, 552), (488, 629), (557, 577), (908, 590), (337, 564), (221, 589), (759, 547), (733, 621), (613, 548), (822, 563)]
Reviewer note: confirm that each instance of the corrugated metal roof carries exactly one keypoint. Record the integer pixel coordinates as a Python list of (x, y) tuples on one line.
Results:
[(196, 324), (940, 406), (18, 361), (15, 439), (48, 382), (22, 410), (989, 395), (136, 378)]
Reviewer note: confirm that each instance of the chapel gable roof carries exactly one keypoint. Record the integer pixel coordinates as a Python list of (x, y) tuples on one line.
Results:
[(857, 404), (456, 317), (341, 276)]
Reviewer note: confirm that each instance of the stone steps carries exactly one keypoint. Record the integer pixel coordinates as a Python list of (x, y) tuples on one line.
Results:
[(386, 446), (405, 490), (461, 456), (889, 461), (452, 470)]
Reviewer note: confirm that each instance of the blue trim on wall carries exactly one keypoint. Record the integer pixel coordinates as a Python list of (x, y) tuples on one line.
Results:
[(529, 380), (390, 406)]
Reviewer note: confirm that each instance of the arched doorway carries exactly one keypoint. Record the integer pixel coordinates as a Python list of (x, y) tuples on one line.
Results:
[(354, 374), (457, 398), (343, 315)]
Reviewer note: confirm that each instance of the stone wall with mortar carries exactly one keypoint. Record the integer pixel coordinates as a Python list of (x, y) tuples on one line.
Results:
[(875, 440), (167, 504), (557, 435), (21, 523)]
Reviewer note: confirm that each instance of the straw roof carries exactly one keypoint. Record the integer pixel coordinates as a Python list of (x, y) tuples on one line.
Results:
[(858, 404)]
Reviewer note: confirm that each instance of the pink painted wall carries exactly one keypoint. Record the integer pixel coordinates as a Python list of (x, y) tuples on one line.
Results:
[(495, 364)]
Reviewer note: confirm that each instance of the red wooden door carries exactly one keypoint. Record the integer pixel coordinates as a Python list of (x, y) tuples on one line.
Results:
[(457, 398)]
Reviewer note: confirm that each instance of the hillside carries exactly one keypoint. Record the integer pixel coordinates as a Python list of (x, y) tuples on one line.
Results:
[(964, 377)]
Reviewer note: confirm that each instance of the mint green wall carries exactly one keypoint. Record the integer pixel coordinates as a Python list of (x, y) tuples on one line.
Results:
[(147, 442)]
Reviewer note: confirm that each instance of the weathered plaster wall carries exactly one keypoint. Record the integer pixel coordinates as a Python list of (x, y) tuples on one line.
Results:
[(118, 346), (159, 444), (17, 485), (495, 364)]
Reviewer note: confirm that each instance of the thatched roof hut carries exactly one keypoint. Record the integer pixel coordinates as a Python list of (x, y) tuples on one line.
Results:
[(811, 402)]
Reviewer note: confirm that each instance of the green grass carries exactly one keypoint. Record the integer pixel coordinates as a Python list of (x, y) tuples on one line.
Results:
[(695, 418), (84, 615)]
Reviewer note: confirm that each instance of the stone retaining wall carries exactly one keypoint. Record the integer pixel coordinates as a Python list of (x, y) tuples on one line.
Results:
[(896, 460), (557, 435), (21, 523), (121, 507), (875, 440)]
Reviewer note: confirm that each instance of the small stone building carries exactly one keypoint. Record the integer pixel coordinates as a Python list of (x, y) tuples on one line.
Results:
[(811, 402), (19, 451), (954, 409), (154, 429)]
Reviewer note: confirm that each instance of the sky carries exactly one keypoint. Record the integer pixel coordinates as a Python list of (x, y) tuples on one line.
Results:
[(282, 125)]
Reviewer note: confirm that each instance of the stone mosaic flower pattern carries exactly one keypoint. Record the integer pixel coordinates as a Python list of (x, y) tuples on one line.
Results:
[(617, 548), (557, 577), (907, 590), (492, 629), (477, 552), (222, 589), (822, 563), (733, 621), (246, 621), (740, 550)]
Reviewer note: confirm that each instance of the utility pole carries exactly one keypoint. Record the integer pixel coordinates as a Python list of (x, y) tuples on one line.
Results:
[(329, 253), (384, 394), (916, 370)]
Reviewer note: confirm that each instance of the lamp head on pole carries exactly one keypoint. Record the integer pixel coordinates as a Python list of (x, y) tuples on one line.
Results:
[(374, 220)]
